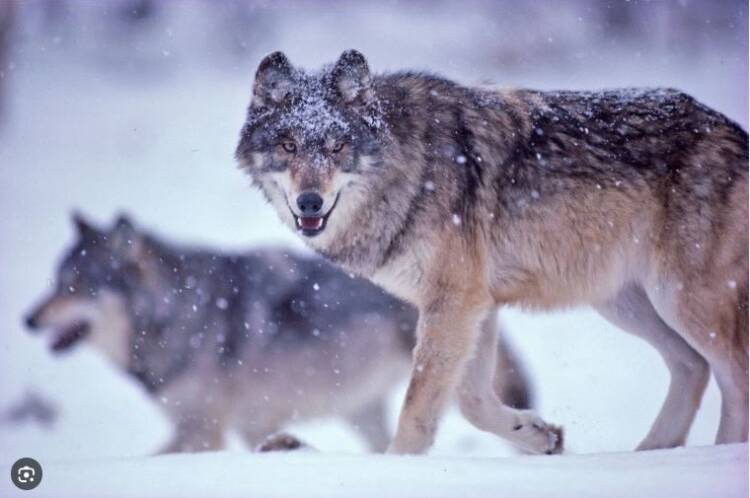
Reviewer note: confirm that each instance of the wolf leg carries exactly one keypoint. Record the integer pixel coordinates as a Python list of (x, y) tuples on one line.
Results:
[(632, 311), (733, 383), (370, 422), (511, 382), (714, 320), (446, 335), (282, 441), (481, 405), (193, 434), (730, 365), (256, 430)]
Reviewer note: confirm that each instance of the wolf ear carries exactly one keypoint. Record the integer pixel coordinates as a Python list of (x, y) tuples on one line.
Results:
[(123, 223), (124, 237), (351, 77), (84, 228), (273, 80)]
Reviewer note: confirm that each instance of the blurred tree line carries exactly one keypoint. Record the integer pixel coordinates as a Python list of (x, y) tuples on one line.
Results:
[(149, 37)]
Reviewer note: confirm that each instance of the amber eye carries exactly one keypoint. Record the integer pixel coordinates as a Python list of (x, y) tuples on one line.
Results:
[(290, 147), (337, 147)]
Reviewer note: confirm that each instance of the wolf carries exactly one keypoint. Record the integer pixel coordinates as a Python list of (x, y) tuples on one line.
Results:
[(249, 342), (462, 200)]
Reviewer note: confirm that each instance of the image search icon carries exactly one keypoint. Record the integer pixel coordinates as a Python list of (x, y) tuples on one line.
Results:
[(26, 473)]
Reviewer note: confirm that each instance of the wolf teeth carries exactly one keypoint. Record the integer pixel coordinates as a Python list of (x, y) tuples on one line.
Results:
[(318, 224)]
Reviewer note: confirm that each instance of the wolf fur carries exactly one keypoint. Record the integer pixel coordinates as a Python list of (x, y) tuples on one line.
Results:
[(249, 342), (461, 200)]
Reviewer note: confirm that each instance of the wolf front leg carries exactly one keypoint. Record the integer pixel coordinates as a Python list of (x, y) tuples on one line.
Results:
[(446, 336), (482, 406)]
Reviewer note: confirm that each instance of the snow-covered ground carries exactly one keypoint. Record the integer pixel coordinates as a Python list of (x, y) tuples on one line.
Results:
[(86, 134), (686, 473)]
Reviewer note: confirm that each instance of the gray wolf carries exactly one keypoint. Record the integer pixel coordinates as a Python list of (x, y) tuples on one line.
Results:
[(249, 342), (461, 200)]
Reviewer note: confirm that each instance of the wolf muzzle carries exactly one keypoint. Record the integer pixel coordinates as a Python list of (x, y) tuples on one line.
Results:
[(312, 220)]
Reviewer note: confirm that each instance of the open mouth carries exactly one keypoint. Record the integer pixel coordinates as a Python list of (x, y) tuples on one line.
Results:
[(310, 226), (68, 336)]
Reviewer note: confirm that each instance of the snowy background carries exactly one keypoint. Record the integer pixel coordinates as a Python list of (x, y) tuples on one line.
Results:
[(136, 105)]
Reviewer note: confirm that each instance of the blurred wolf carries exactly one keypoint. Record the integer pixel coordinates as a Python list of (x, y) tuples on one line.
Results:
[(460, 200), (250, 342)]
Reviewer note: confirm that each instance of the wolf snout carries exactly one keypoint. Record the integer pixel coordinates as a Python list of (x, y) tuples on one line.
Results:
[(31, 321), (310, 204)]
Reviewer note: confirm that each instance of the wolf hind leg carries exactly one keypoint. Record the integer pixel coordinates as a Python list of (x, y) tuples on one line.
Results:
[(731, 371), (481, 405), (370, 421), (714, 320), (632, 311), (733, 425)]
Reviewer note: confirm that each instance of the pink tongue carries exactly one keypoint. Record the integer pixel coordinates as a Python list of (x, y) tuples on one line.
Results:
[(310, 223)]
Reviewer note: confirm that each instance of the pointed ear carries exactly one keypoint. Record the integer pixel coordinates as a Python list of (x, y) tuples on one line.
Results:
[(273, 80), (123, 223), (351, 77), (84, 228), (125, 239)]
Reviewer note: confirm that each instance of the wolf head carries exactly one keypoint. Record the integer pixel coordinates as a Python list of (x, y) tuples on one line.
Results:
[(311, 140), (88, 298)]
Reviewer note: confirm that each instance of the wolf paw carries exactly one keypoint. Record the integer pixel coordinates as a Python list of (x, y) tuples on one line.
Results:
[(281, 442), (534, 435)]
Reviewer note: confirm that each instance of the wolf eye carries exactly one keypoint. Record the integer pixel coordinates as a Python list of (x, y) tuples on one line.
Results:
[(290, 147), (337, 147)]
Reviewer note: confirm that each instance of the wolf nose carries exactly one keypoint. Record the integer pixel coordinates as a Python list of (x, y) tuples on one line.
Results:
[(31, 321), (310, 203)]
